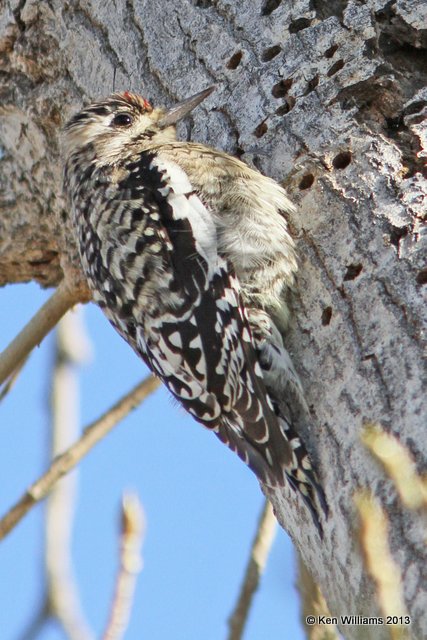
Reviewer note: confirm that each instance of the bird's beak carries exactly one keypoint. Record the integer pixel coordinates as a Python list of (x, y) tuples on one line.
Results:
[(183, 108)]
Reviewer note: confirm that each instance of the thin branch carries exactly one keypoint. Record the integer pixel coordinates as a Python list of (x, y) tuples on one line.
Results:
[(72, 456), (258, 558), (63, 601), (35, 625), (313, 605), (398, 464), (379, 561), (133, 529), (37, 328), (11, 380)]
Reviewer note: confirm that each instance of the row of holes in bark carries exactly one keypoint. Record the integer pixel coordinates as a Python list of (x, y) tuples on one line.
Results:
[(341, 161), (281, 89), (352, 272), (327, 311), (273, 51)]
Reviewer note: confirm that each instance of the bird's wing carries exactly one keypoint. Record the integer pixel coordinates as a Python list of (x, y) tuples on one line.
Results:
[(200, 342)]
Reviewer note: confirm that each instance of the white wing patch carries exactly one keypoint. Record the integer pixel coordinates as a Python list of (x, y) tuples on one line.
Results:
[(187, 205)]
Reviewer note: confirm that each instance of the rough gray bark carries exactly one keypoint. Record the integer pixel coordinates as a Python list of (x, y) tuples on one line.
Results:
[(329, 98)]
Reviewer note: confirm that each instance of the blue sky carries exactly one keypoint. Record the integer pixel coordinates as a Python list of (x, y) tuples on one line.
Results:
[(200, 501)]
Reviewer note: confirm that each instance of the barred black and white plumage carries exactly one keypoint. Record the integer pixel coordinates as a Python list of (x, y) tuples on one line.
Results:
[(186, 250)]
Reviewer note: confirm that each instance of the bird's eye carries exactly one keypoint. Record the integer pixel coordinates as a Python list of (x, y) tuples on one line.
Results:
[(122, 120)]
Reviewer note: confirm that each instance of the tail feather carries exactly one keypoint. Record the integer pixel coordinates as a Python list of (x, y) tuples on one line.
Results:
[(265, 461), (287, 397)]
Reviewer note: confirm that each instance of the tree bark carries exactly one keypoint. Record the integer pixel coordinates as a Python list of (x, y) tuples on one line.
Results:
[(330, 99)]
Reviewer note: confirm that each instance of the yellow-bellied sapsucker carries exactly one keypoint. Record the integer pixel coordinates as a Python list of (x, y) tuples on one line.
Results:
[(186, 250)]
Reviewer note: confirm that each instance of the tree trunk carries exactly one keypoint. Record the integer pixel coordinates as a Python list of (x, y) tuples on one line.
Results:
[(330, 99)]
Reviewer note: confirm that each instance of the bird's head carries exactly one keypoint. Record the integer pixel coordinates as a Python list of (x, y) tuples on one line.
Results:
[(124, 121)]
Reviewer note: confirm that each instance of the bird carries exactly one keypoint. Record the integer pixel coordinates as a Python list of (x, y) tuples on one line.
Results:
[(186, 249)]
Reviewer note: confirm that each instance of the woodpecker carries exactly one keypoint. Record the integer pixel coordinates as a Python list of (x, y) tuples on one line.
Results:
[(186, 250)]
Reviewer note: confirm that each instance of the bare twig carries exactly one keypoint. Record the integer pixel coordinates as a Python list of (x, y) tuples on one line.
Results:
[(10, 381), (259, 553), (61, 597), (68, 460), (63, 602), (39, 326), (398, 464), (313, 604), (133, 526), (379, 561), (35, 625)]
